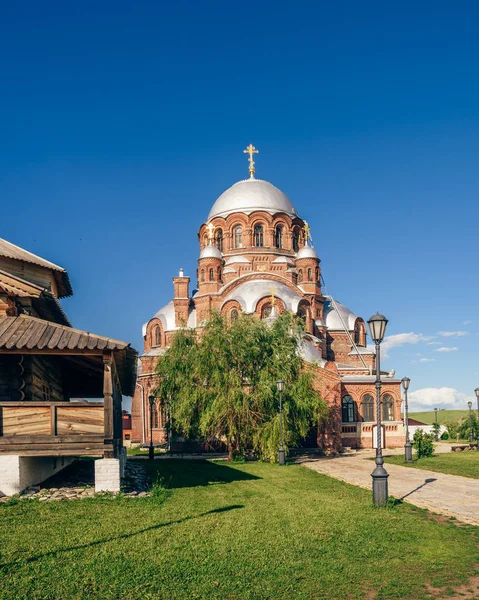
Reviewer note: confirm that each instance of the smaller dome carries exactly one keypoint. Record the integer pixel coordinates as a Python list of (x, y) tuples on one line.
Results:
[(211, 252), (306, 252)]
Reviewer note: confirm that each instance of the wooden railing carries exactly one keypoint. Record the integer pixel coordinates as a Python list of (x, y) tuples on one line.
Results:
[(51, 418)]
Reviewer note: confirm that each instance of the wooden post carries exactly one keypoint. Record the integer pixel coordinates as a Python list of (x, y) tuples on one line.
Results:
[(108, 397), (53, 420)]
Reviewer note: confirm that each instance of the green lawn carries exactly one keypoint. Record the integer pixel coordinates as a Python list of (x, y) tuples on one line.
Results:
[(442, 416), (241, 531), (453, 463)]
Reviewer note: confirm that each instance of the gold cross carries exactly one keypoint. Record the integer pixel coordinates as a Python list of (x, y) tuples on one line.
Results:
[(251, 150), (210, 228), (307, 232)]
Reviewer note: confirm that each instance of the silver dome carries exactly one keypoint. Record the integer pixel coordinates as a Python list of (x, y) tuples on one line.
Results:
[(210, 252), (249, 195), (306, 252)]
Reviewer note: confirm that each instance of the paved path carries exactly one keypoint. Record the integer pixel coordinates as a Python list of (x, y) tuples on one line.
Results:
[(445, 494)]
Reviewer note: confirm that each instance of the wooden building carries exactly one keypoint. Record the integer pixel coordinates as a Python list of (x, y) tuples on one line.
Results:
[(47, 371)]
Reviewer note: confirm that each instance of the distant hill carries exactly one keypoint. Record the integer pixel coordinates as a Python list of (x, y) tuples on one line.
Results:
[(442, 416)]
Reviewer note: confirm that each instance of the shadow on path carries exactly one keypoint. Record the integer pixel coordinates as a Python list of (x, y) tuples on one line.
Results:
[(418, 488), (118, 537)]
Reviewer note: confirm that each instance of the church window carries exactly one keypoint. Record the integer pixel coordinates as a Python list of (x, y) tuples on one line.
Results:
[(157, 336), (295, 278), (295, 239), (310, 275), (205, 240), (388, 408), (266, 311), (300, 275), (258, 236), (368, 408), (219, 239), (348, 409), (212, 274), (278, 236), (234, 314), (302, 314), (202, 278), (219, 274), (238, 237), (154, 413), (317, 274)]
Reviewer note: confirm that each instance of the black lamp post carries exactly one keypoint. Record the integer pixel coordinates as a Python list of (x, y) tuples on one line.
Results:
[(377, 328), (477, 396), (407, 446), (151, 450), (471, 437), (280, 386)]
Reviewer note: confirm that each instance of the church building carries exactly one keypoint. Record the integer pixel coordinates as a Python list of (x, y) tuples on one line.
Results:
[(256, 257)]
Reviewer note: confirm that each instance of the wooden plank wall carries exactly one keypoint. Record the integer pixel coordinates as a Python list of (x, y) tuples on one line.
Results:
[(25, 420), (79, 419), (43, 370)]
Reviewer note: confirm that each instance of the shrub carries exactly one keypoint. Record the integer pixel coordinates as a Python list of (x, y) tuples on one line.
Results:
[(445, 436), (423, 443)]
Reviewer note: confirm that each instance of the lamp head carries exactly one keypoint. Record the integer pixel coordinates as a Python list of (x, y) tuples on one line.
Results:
[(377, 327), (405, 383), (469, 404), (477, 392), (280, 385)]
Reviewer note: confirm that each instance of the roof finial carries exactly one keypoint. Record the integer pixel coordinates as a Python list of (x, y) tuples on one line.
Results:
[(306, 233), (210, 228), (251, 150)]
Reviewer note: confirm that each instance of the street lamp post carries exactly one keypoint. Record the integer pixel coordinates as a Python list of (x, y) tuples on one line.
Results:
[(377, 327), (151, 450), (436, 433), (477, 396), (407, 446), (280, 386), (471, 438)]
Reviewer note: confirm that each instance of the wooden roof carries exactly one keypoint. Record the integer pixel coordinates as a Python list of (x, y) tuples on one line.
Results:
[(9, 250), (26, 334)]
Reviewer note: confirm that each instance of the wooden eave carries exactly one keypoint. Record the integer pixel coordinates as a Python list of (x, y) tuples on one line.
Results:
[(29, 335), (19, 287)]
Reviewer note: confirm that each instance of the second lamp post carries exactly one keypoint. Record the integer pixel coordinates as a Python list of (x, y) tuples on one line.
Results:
[(476, 391), (407, 446), (280, 386), (377, 327)]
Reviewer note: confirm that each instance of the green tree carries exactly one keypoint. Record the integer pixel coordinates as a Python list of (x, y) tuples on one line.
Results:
[(436, 428), (467, 425), (423, 443), (452, 428), (223, 386)]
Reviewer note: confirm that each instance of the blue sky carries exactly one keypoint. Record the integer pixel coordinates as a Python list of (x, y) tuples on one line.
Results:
[(121, 123)]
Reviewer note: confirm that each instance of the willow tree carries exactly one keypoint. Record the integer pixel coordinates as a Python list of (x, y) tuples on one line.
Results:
[(222, 384)]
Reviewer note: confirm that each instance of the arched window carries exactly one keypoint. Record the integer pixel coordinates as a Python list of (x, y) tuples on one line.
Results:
[(154, 421), (300, 275), (157, 336), (278, 236), (212, 274), (238, 237), (295, 239), (316, 274), (205, 240), (219, 273), (302, 313), (202, 278), (266, 311), (295, 278), (368, 408), (234, 314), (388, 408), (348, 409), (310, 274), (219, 239), (258, 236)]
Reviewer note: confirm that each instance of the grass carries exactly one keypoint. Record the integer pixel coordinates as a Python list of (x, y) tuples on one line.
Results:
[(232, 532), (428, 417), (465, 464)]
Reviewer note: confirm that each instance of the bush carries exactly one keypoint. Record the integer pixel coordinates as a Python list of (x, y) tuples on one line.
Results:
[(445, 436), (423, 443)]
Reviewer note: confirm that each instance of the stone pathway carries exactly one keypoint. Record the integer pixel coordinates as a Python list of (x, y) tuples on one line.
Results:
[(449, 495), (77, 481)]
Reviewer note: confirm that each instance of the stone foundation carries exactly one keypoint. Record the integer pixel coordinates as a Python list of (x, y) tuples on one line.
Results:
[(19, 472)]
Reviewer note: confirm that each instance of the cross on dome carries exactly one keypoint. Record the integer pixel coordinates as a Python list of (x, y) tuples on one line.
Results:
[(251, 150), (210, 228)]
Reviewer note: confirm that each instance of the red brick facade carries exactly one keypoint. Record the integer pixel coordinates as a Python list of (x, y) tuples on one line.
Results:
[(252, 259)]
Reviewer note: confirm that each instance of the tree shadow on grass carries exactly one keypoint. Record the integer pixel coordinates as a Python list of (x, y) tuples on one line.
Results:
[(114, 538), (182, 473)]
